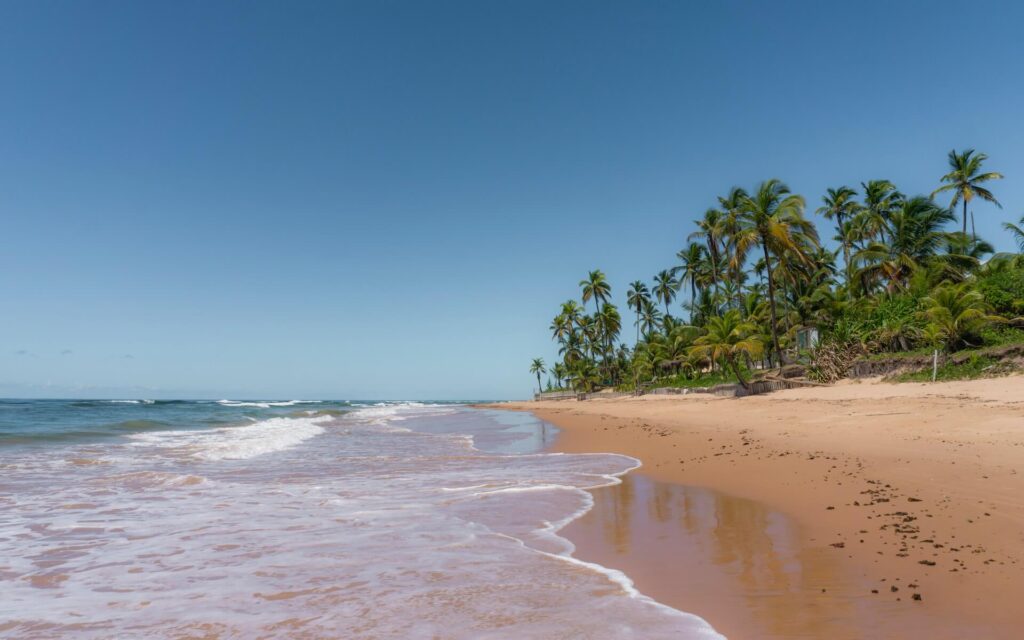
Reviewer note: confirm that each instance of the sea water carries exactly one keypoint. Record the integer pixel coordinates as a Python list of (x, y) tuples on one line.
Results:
[(299, 519)]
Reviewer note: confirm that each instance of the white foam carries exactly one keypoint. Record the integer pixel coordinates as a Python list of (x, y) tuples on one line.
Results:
[(240, 547), (237, 443), (266, 404)]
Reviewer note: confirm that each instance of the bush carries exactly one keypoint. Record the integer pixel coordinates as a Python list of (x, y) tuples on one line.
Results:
[(994, 336), (890, 324), (1004, 290)]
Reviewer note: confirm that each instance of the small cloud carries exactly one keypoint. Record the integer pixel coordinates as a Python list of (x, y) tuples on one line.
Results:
[(128, 356), (21, 352), (66, 352)]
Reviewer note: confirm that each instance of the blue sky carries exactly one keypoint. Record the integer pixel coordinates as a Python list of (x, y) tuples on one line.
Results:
[(391, 199)]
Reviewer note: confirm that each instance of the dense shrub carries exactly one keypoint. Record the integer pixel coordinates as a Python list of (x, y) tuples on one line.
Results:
[(1004, 290)]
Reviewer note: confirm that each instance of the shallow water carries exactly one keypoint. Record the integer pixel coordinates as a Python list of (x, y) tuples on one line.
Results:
[(296, 521)]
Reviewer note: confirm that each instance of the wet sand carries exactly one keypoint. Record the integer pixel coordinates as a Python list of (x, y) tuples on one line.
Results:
[(817, 513)]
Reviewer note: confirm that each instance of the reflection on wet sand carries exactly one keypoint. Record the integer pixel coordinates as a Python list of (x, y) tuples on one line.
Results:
[(732, 561)]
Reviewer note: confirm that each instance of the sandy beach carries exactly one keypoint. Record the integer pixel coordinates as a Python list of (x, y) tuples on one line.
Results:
[(862, 510)]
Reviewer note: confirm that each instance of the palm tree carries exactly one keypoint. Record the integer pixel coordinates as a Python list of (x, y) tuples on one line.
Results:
[(572, 312), (840, 205), (559, 372), (650, 317), (665, 287), (773, 219), (635, 299), (537, 367), (965, 180), (729, 337), (596, 286), (609, 324), (572, 350), (711, 229), (916, 236), (692, 259), (955, 312), (881, 198), (1017, 232)]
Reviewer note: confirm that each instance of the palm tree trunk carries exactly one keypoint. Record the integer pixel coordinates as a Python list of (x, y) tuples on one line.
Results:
[(713, 253), (965, 216), (539, 389), (736, 372), (771, 302), (846, 256), (693, 297)]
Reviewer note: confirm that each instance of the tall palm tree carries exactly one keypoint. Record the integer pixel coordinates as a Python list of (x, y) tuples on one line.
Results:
[(635, 299), (537, 367), (730, 204), (840, 205), (772, 219), (609, 324), (728, 337), (880, 199), (691, 267), (559, 372), (590, 330), (711, 229), (665, 287), (572, 311), (572, 350), (596, 287), (650, 317), (965, 179), (916, 238)]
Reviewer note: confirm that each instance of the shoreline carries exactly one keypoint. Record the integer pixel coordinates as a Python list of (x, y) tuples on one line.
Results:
[(808, 507)]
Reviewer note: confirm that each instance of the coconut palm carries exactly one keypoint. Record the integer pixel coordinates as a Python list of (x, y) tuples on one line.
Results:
[(733, 261), (881, 198), (609, 324), (585, 376), (956, 312), (965, 180), (728, 338), (840, 205), (916, 236), (537, 367), (772, 219), (559, 372), (650, 317), (711, 229), (635, 299), (572, 350), (691, 267), (665, 287), (596, 287)]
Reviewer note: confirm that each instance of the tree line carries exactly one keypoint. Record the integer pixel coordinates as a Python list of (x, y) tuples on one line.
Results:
[(761, 290)]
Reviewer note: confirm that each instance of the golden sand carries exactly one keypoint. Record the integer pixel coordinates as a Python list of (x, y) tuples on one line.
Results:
[(863, 510)]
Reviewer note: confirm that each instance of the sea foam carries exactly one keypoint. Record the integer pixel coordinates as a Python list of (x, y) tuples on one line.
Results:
[(316, 526)]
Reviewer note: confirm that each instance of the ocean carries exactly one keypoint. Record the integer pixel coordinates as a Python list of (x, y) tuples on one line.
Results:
[(302, 519)]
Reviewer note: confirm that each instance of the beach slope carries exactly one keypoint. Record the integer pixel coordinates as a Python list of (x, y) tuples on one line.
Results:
[(907, 500)]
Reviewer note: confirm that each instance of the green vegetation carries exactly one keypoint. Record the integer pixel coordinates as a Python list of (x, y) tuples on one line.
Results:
[(977, 366), (760, 290)]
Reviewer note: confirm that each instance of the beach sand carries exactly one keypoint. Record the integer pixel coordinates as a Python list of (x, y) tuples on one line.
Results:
[(816, 513)]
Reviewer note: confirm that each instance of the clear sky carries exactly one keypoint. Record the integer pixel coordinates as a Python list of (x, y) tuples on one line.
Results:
[(390, 199)]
